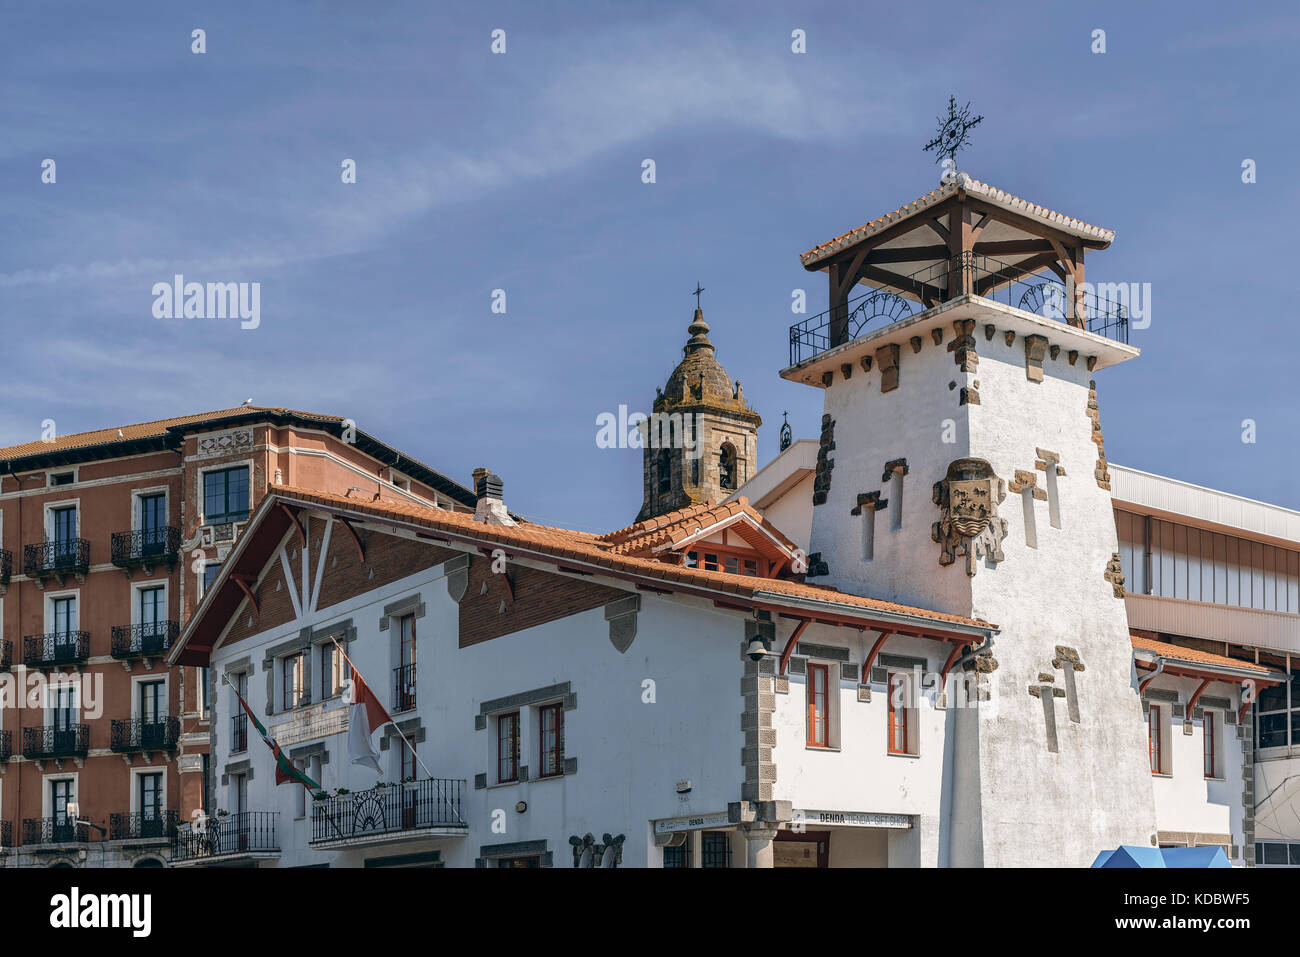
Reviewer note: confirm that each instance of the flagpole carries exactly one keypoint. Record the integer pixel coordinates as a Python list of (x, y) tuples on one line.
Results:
[(415, 754), (226, 679)]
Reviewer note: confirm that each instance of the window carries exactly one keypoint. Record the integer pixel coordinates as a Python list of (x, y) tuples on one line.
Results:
[(292, 691), (62, 478), (679, 856), (225, 495), (818, 730), (239, 718), (1209, 733), (153, 611), (331, 669), (508, 747), (899, 714), (210, 572), (896, 500), (734, 563), (149, 804), (715, 849), (65, 616), (152, 704), (153, 522), (1278, 709), (664, 472), (1277, 854), (63, 522), (1154, 730), (404, 679), (202, 678), (551, 725), (61, 795), (206, 764), (63, 712), (727, 467)]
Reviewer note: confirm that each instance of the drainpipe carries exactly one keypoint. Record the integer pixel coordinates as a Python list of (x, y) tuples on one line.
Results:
[(1142, 685)]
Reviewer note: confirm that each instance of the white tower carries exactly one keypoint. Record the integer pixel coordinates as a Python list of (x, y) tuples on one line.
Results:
[(962, 469)]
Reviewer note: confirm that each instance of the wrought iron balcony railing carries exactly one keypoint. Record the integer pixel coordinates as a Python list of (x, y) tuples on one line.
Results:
[(6, 834), (146, 546), (160, 734), (404, 688), (57, 648), (59, 557), (54, 830), (144, 641), (238, 733), (6, 655), (6, 745), (143, 826), (252, 832), (417, 805), (6, 566), (1034, 291), (61, 742)]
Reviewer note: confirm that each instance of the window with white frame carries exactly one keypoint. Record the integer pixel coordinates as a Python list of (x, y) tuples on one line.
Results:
[(293, 688), (901, 714)]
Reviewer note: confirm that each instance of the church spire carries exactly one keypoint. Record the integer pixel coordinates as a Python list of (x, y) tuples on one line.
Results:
[(699, 330)]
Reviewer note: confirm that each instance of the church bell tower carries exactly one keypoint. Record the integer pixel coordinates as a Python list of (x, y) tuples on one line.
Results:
[(962, 469), (701, 442)]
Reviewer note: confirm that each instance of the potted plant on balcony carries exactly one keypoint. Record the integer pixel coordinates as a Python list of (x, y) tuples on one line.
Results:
[(410, 783)]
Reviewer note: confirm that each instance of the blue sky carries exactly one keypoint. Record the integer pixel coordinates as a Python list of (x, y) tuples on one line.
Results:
[(522, 172)]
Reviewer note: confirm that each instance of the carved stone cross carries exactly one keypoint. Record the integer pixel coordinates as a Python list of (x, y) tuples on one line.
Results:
[(1047, 693)]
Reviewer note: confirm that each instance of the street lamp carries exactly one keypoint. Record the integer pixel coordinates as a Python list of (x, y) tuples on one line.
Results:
[(73, 807)]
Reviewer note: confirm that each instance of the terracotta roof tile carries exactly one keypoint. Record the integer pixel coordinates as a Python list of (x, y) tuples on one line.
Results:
[(1192, 655), (593, 551), (935, 196)]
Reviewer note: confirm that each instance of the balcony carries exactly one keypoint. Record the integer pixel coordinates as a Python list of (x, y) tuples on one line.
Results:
[(56, 649), (404, 688), (6, 568), (130, 737), (50, 742), (132, 642), (238, 733), (148, 827), (6, 655), (384, 815), (57, 559), (54, 830), (233, 839), (970, 273), (146, 548), (6, 835), (6, 745)]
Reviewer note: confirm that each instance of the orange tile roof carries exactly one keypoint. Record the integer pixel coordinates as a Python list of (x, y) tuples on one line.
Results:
[(142, 430), (1193, 657), (935, 196), (673, 528), (588, 549)]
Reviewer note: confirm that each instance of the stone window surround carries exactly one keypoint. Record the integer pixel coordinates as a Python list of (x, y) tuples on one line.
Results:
[(410, 605), (522, 702), (490, 853), (306, 640)]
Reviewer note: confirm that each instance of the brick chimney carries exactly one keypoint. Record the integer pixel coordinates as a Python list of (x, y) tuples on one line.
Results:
[(489, 508)]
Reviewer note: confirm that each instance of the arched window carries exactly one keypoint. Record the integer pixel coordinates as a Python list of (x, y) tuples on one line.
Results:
[(664, 474), (727, 467)]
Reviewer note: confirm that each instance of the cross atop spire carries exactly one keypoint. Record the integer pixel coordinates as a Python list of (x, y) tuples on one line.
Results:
[(698, 289)]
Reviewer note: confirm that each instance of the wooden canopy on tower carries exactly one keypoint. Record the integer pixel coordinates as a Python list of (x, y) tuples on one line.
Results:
[(964, 238)]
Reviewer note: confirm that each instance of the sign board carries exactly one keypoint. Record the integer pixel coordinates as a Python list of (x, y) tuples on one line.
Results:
[(692, 822), (850, 819)]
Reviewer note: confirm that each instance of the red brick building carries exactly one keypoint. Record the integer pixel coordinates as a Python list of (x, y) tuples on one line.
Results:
[(107, 540)]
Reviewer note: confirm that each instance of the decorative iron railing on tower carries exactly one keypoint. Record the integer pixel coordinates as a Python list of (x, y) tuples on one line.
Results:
[(58, 557), (56, 741), (146, 546), (144, 641), (1034, 291), (412, 806), (159, 734), (404, 688), (251, 832), (54, 830), (56, 648), (143, 825)]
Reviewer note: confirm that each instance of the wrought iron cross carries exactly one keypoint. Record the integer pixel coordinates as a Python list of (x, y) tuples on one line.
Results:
[(953, 131), (698, 289)]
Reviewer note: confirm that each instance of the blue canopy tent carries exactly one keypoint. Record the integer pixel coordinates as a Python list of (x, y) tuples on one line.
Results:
[(1127, 855)]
